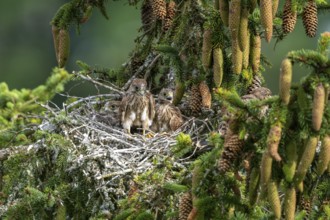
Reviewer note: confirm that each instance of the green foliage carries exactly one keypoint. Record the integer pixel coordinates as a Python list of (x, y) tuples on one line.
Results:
[(183, 145), (177, 188)]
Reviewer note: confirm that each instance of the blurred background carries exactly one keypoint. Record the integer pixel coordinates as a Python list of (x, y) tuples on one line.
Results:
[(27, 53)]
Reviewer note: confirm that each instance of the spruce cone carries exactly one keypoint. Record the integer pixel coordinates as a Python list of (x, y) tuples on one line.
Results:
[(306, 160), (158, 9), (185, 206), (305, 204), (275, 7), (224, 11), (266, 15), (253, 184), (232, 148), (246, 53), (310, 20), (205, 94), (146, 15), (171, 9), (136, 62), (195, 100), (290, 203), (234, 18), (324, 156), (285, 81), (255, 52), (243, 29), (56, 32), (289, 18), (256, 83), (273, 141), (318, 107), (63, 47), (265, 170), (207, 49), (217, 66), (237, 57), (274, 199)]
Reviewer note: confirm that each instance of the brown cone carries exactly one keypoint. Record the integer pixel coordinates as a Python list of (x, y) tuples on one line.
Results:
[(206, 94), (171, 10), (289, 18), (146, 15), (158, 9), (195, 100), (232, 148), (305, 204), (310, 20), (185, 206)]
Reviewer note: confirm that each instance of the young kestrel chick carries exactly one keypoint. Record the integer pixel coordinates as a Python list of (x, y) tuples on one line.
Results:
[(168, 117), (137, 106)]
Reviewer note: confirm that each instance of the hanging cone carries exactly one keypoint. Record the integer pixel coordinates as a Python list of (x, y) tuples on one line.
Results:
[(310, 19), (290, 203), (56, 39), (195, 100), (265, 170), (217, 66), (158, 9), (205, 94), (318, 107), (289, 18), (306, 160), (207, 49), (243, 29), (185, 206), (171, 10), (266, 14), (234, 18), (253, 186), (273, 141), (324, 156), (232, 148), (246, 52), (255, 52), (224, 11), (275, 7), (147, 16), (237, 57), (63, 47), (305, 204), (285, 81), (274, 199)]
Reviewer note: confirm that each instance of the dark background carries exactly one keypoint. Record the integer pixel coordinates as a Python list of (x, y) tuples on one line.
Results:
[(27, 54)]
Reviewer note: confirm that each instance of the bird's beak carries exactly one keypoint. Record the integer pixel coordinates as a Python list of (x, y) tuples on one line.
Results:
[(169, 98)]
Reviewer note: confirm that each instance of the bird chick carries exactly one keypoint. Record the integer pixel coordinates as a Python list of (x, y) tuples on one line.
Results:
[(137, 106), (168, 116)]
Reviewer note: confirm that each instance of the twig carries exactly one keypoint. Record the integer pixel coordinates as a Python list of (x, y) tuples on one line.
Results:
[(88, 78)]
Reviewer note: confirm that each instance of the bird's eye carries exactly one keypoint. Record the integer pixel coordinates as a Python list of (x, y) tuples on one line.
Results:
[(136, 88), (164, 94)]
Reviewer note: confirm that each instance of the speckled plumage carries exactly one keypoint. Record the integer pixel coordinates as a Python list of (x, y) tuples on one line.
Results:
[(168, 116), (137, 107)]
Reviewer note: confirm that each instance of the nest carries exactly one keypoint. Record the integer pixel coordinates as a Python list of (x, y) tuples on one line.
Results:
[(102, 152)]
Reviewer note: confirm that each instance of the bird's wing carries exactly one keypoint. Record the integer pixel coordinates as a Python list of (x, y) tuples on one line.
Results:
[(123, 108), (151, 106), (176, 122)]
